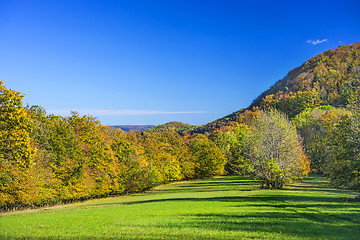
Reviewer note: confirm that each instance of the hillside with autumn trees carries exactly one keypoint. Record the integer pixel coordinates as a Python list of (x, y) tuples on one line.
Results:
[(308, 121), (178, 127), (330, 78), (322, 99)]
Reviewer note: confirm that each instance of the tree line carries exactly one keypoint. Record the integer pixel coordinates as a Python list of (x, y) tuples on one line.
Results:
[(48, 159)]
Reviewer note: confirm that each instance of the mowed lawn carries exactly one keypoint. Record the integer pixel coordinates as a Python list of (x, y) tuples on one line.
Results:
[(229, 207)]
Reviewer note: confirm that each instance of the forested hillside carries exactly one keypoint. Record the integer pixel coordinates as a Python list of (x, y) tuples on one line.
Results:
[(178, 127), (322, 99), (330, 78)]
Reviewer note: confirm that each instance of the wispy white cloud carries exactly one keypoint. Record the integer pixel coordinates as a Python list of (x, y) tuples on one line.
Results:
[(122, 112), (316, 42)]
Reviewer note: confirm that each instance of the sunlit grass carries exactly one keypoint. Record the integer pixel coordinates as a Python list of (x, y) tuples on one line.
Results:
[(227, 207)]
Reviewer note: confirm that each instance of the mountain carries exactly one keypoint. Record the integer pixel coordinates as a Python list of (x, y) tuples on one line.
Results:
[(127, 128), (218, 122), (329, 78), (332, 74), (178, 127)]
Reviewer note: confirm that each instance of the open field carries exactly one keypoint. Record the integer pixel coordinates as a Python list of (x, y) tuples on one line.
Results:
[(228, 207)]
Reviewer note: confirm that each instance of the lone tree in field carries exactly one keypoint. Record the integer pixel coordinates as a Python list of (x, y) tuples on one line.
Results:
[(274, 150)]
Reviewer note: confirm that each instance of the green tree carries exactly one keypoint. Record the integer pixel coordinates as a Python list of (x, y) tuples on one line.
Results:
[(100, 161), (292, 103), (208, 158), (344, 159), (316, 126), (230, 139), (162, 158), (134, 174), (274, 150)]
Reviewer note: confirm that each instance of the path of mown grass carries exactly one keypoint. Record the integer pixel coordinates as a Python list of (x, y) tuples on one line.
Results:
[(227, 207)]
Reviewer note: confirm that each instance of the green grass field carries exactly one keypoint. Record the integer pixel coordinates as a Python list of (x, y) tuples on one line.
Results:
[(228, 207)]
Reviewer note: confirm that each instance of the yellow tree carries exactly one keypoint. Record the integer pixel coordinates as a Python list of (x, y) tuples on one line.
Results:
[(16, 150), (100, 158), (15, 128), (208, 158)]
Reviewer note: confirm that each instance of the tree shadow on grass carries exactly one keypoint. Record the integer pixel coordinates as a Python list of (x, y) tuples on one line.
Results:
[(240, 199), (218, 184), (254, 225), (303, 225), (314, 210), (317, 188), (234, 183)]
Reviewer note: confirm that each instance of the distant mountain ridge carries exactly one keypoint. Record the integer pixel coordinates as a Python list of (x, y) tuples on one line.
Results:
[(178, 127), (127, 128)]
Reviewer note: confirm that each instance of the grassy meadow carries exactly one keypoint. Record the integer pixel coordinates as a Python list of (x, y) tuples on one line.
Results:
[(228, 207)]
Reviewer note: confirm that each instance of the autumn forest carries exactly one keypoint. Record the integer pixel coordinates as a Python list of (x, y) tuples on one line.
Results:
[(307, 122)]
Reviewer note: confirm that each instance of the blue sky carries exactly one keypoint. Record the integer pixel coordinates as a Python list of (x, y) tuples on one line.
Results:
[(151, 62)]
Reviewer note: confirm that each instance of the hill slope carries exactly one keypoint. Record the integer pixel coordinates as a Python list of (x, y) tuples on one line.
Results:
[(178, 127), (332, 73), (329, 78)]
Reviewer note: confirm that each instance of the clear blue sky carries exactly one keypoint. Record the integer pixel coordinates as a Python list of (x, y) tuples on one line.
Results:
[(151, 62)]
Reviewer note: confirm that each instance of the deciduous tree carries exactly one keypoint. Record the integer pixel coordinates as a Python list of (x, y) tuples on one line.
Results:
[(274, 150), (16, 151)]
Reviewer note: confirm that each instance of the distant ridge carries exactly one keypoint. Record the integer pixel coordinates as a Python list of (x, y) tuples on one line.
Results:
[(127, 128), (178, 127)]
